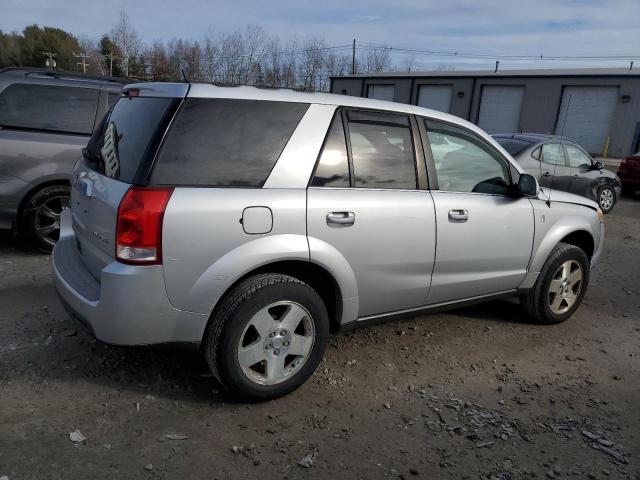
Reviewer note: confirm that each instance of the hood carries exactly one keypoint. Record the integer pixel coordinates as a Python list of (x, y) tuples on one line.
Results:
[(565, 197)]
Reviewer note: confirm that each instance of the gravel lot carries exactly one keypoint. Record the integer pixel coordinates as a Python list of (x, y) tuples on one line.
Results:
[(473, 393)]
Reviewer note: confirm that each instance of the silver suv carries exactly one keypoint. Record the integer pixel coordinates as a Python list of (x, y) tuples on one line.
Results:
[(255, 222)]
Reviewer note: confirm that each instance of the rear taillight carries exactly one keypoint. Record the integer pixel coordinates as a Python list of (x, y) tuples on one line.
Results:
[(623, 164), (139, 225)]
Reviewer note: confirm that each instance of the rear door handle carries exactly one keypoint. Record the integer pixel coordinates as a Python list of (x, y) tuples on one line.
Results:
[(546, 174), (341, 219), (458, 215)]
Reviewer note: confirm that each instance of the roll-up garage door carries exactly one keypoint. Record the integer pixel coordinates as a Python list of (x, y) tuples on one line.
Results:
[(381, 92), (500, 108), (586, 114), (436, 97)]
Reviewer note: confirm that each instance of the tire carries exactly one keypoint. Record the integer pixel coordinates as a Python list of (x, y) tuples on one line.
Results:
[(539, 303), (606, 198), (40, 222), (269, 319)]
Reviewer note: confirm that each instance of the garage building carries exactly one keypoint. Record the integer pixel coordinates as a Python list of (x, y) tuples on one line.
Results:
[(598, 108)]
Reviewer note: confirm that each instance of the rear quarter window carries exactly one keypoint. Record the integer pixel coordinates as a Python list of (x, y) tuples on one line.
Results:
[(225, 142), (48, 108), (127, 138)]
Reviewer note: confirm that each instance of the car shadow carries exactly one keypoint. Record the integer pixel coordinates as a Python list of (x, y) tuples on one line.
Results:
[(508, 311)]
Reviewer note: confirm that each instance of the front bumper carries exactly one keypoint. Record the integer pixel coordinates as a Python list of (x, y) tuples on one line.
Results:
[(128, 306), (598, 247)]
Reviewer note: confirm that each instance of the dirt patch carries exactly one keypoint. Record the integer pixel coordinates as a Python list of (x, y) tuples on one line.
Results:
[(474, 393)]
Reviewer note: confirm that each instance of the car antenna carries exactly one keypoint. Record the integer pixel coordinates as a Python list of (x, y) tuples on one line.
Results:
[(555, 164), (184, 76)]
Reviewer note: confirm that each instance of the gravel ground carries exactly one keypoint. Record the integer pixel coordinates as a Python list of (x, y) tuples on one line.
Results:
[(473, 393)]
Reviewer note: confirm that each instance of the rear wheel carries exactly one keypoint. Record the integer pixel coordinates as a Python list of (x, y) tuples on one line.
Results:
[(267, 336), (40, 221), (560, 287), (606, 198)]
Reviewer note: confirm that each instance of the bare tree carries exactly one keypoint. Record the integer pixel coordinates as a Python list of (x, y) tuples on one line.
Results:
[(127, 40), (444, 67), (378, 59), (408, 62)]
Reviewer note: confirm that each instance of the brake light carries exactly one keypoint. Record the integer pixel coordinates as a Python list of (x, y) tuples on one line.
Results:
[(139, 225)]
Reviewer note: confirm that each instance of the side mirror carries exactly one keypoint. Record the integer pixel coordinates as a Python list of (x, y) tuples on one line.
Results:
[(527, 185), (598, 166)]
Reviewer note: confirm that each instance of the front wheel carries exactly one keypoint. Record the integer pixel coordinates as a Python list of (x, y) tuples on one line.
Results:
[(560, 287), (267, 336), (606, 199)]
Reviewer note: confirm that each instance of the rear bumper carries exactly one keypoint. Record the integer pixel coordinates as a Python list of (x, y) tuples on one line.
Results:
[(128, 306)]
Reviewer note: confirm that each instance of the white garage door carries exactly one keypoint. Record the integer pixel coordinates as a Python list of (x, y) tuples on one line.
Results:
[(437, 97), (381, 92), (500, 108), (586, 114)]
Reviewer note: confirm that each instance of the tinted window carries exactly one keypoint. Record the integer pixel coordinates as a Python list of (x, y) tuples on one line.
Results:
[(224, 142), (112, 98), (48, 107), (333, 165), (513, 145), (577, 157), (382, 151), (553, 154), (464, 162), (128, 136)]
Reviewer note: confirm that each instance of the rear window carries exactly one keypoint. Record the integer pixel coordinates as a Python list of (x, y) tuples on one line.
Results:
[(513, 145), (49, 108), (225, 142), (128, 136)]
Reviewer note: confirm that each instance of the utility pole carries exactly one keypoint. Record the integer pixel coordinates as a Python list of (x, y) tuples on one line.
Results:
[(50, 62), (631, 66), (84, 63), (497, 64), (353, 58), (111, 58)]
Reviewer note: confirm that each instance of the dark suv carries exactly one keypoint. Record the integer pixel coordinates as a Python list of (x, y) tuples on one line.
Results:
[(46, 118)]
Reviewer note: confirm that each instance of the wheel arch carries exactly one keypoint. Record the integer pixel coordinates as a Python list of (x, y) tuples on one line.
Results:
[(313, 274)]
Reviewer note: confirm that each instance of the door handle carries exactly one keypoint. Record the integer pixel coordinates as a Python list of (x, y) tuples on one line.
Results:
[(458, 215), (341, 219), (546, 174)]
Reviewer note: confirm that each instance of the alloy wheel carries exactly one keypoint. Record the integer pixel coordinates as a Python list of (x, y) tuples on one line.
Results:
[(276, 342), (606, 199), (47, 218), (565, 287)]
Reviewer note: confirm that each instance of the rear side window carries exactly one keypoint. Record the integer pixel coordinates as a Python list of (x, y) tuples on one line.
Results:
[(49, 108), (381, 150), (129, 136), (333, 166), (226, 142), (553, 154)]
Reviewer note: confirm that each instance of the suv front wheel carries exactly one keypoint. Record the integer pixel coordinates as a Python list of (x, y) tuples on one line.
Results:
[(267, 336), (560, 287)]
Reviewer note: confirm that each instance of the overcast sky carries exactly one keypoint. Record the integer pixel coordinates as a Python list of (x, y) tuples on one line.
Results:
[(551, 27)]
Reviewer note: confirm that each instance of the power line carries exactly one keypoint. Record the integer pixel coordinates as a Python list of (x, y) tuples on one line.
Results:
[(443, 53)]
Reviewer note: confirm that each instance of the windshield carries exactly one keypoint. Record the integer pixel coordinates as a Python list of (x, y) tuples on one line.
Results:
[(127, 135), (513, 145)]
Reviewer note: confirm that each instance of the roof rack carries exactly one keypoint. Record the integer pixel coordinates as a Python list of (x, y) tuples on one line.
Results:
[(59, 74)]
